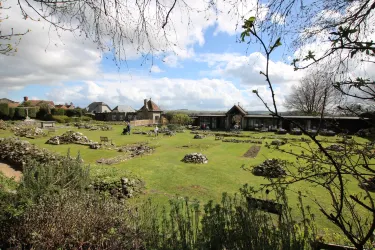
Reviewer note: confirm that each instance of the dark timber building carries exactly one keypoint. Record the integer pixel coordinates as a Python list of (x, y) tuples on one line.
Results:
[(247, 121)]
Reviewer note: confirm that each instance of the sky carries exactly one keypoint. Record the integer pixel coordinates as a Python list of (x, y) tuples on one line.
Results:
[(207, 69)]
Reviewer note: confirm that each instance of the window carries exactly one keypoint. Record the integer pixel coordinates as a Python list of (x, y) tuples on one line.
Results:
[(113, 117)]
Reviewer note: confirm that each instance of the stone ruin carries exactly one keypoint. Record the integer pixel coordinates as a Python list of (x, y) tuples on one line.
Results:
[(271, 168), (3, 125), (170, 133), (336, 148), (18, 152), (278, 142), (93, 126), (241, 141), (131, 152), (29, 132), (197, 136), (197, 158), (136, 150), (121, 189), (70, 137)]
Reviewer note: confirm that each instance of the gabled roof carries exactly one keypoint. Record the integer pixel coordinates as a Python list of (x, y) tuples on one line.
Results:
[(124, 108), (237, 108), (151, 106), (11, 104), (60, 106), (93, 106), (35, 103)]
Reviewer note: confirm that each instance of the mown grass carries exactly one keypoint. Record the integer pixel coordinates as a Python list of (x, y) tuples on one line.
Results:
[(166, 176)]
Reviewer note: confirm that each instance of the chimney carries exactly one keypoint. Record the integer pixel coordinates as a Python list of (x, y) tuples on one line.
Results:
[(25, 99), (238, 103), (145, 102)]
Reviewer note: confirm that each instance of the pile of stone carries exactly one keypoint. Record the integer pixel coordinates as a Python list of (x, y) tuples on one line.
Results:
[(278, 142), (95, 145), (281, 131), (336, 148), (271, 168), (197, 158), (197, 136), (121, 189), (194, 132), (296, 132), (137, 150), (139, 132), (241, 141), (3, 125), (18, 152), (170, 133), (92, 126), (70, 137), (29, 132), (101, 128), (327, 133)]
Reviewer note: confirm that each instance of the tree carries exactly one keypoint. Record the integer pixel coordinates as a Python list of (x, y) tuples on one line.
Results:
[(7, 43), (331, 169), (180, 119), (314, 95)]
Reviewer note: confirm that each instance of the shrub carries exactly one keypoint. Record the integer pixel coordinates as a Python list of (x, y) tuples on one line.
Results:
[(174, 127), (86, 118), (20, 112), (11, 113), (4, 110), (233, 224), (61, 118), (73, 112), (72, 220), (57, 111)]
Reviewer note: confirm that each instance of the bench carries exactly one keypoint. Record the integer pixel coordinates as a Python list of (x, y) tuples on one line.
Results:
[(47, 124), (266, 206), (104, 139)]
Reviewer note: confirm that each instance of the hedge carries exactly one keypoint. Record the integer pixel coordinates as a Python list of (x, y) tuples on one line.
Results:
[(11, 113), (73, 112), (4, 110), (58, 112), (20, 112), (61, 118)]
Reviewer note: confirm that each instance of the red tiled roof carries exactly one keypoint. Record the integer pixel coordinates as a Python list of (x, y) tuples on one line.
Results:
[(13, 104), (34, 103), (152, 106)]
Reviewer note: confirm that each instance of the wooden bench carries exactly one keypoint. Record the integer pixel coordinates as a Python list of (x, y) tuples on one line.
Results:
[(47, 124), (266, 206), (104, 139)]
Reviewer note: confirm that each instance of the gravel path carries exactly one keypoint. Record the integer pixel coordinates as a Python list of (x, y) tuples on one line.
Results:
[(10, 172)]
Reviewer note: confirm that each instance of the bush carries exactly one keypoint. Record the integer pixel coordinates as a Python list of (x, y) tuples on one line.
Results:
[(71, 220), (57, 111), (61, 118), (11, 113), (233, 224), (20, 112), (86, 118), (174, 127), (4, 110), (73, 112)]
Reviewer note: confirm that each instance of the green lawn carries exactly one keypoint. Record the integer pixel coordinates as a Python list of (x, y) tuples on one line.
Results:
[(166, 176)]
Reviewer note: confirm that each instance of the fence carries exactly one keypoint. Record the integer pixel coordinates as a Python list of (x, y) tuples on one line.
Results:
[(141, 123)]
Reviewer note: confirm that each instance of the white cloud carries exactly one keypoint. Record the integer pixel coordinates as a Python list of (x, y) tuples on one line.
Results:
[(214, 94), (248, 68), (156, 69), (45, 57)]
